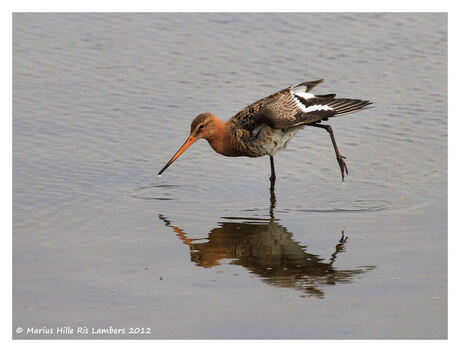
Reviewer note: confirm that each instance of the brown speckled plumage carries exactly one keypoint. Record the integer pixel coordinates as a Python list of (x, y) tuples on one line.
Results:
[(280, 111)]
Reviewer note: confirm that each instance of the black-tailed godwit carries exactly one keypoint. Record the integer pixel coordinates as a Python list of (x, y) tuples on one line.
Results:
[(266, 126)]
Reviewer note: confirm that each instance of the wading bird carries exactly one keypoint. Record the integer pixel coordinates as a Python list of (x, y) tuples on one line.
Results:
[(266, 126)]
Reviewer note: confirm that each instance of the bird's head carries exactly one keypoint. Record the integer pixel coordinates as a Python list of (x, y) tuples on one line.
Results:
[(203, 126)]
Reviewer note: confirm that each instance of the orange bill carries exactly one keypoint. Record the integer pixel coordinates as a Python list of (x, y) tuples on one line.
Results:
[(182, 149)]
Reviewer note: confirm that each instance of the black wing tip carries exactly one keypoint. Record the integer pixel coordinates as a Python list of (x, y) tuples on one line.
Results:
[(318, 81), (366, 104), (325, 96), (310, 84), (343, 106)]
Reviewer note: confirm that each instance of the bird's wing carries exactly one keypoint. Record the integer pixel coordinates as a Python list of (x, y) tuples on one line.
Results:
[(299, 107), (283, 101)]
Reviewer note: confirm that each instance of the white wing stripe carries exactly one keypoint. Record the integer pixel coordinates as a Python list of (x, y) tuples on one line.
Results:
[(317, 108), (299, 92), (299, 104), (304, 95), (307, 96)]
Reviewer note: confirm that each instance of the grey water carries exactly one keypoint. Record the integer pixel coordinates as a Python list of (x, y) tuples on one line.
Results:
[(102, 101)]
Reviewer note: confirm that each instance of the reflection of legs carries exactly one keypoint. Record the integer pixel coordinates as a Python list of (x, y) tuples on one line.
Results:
[(339, 248), (340, 158), (343, 239), (272, 203)]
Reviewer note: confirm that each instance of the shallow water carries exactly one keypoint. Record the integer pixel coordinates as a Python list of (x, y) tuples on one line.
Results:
[(102, 101)]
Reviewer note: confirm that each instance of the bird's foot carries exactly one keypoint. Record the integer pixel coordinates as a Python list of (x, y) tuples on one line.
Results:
[(343, 165)]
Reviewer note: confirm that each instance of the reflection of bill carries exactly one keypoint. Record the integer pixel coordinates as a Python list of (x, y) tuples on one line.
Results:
[(268, 250)]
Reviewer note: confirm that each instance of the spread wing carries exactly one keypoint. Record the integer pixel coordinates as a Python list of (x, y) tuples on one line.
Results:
[(302, 108), (250, 116), (295, 106)]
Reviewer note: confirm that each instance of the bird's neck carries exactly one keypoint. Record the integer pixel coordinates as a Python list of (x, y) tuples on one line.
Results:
[(220, 140)]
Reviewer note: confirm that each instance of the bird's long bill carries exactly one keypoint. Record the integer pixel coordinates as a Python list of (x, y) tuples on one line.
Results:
[(182, 149)]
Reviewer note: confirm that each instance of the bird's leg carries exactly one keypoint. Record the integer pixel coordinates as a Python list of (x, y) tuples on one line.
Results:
[(272, 176), (272, 179), (340, 158)]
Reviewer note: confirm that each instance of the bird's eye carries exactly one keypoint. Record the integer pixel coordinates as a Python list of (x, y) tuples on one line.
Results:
[(201, 127)]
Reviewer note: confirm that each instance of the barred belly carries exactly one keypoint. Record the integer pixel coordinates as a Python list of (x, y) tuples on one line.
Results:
[(269, 141)]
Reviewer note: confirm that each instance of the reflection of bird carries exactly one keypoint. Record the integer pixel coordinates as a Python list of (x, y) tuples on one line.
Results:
[(266, 126), (267, 249)]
